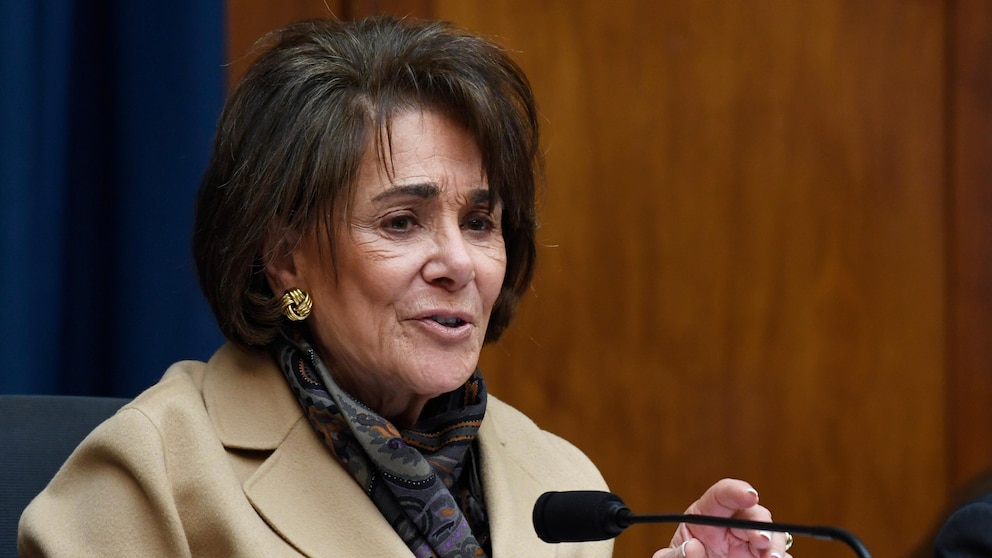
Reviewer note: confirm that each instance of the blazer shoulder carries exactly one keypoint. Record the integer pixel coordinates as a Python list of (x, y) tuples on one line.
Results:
[(534, 447), (176, 395)]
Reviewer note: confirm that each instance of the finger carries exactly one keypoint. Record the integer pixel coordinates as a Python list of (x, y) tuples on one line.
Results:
[(689, 548), (725, 498), (777, 548), (693, 549), (779, 543), (754, 513), (760, 538)]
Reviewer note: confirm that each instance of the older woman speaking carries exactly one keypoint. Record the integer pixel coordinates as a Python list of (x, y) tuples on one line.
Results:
[(365, 226)]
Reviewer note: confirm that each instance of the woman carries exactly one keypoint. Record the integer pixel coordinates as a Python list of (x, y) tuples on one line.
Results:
[(365, 225)]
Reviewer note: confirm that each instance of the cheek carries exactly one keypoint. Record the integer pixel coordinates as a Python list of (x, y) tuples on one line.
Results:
[(491, 274), (374, 291)]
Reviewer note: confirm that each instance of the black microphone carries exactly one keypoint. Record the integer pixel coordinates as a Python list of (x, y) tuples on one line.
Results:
[(590, 515)]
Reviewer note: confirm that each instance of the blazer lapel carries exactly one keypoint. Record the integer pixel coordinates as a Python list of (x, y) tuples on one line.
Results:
[(300, 490), (312, 502), (248, 399), (315, 505), (510, 491)]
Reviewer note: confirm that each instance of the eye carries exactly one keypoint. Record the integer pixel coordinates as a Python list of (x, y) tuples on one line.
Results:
[(479, 221), (399, 223)]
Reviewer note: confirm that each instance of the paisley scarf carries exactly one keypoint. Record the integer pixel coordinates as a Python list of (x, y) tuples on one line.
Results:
[(424, 479)]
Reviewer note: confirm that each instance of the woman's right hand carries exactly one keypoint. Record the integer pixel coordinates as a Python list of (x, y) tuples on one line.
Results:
[(726, 498)]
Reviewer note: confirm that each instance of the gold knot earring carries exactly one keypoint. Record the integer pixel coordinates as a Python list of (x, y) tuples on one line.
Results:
[(296, 305)]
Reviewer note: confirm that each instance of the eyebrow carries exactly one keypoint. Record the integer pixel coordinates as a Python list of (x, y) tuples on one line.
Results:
[(479, 196), (428, 190)]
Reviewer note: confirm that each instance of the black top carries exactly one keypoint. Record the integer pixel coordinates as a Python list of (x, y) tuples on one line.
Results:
[(967, 533)]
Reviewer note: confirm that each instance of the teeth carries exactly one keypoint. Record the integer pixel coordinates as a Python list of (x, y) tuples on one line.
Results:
[(450, 322)]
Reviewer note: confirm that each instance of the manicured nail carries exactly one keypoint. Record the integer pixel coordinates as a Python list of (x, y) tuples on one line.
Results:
[(753, 491), (775, 555), (765, 535)]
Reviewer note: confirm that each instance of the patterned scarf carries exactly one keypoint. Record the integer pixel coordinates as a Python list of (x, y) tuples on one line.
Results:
[(412, 475)]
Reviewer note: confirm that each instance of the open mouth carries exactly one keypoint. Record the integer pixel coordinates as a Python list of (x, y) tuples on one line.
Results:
[(448, 322)]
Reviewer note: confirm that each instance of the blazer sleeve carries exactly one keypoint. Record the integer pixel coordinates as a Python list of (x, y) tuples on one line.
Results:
[(112, 497)]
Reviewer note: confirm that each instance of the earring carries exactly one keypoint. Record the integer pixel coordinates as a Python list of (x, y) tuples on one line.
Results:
[(296, 305)]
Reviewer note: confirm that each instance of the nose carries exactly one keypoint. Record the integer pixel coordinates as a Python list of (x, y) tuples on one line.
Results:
[(450, 264)]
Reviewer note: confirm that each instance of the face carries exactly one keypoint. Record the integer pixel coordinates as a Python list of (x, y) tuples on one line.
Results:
[(420, 262)]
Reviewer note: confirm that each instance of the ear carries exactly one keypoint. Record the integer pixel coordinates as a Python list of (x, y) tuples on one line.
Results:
[(281, 269)]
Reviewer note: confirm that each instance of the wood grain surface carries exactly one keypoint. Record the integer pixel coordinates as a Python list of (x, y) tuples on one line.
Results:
[(764, 248)]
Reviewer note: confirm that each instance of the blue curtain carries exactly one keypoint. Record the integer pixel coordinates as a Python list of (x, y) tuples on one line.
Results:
[(107, 109)]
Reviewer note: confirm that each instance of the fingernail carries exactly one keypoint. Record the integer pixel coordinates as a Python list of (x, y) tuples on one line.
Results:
[(775, 555), (753, 491), (765, 535)]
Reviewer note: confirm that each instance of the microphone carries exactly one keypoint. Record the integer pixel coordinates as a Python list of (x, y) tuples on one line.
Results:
[(590, 515)]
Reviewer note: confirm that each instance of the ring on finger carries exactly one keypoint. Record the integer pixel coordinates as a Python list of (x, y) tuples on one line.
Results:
[(788, 540)]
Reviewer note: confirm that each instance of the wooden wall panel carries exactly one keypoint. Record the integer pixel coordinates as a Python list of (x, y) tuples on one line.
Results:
[(398, 8), (763, 248), (743, 261), (249, 20), (970, 332)]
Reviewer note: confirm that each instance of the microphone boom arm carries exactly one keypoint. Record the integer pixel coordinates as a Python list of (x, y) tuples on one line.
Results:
[(591, 515), (626, 518)]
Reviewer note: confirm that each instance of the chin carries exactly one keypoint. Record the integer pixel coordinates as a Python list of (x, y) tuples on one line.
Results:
[(442, 377)]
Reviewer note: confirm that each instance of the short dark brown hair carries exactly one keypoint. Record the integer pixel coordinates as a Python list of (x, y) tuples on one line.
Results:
[(294, 131)]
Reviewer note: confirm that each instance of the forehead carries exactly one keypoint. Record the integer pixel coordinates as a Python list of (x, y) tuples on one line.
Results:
[(420, 147)]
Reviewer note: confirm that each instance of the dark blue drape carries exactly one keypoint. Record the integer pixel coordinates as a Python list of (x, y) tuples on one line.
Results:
[(106, 114)]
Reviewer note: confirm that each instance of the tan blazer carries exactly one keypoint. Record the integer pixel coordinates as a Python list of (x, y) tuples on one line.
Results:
[(217, 459)]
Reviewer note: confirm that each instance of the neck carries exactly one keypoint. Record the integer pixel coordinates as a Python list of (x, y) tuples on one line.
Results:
[(402, 410)]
